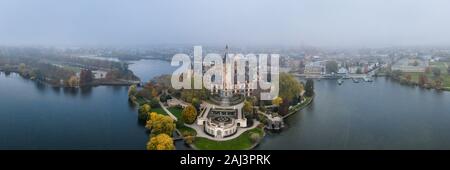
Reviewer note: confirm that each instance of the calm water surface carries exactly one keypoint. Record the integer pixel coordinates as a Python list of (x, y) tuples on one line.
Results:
[(377, 115)]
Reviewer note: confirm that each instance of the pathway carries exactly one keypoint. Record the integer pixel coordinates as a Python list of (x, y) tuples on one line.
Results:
[(168, 112), (201, 132)]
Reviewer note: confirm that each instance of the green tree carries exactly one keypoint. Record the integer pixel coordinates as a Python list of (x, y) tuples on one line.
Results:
[(396, 74), (189, 114), (22, 67), (164, 97), (436, 71), (154, 103), (331, 66), (309, 88), (196, 103), (358, 71), (290, 87), (161, 142)]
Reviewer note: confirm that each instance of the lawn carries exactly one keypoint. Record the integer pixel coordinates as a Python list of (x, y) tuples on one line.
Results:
[(242, 142), (158, 110), (176, 112), (440, 65), (184, 129), (141, 101)]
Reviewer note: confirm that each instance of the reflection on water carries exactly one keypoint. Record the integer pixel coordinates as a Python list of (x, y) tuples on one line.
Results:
[(41, 87), (57, 90), (35, 115), (86, 91), (69, 91), (378, 115)]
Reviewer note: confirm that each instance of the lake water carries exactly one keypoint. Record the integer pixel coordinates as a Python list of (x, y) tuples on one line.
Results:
[(377, 115), (37, 116)]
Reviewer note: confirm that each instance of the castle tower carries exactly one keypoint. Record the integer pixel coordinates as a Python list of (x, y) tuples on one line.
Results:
[(227, 79)]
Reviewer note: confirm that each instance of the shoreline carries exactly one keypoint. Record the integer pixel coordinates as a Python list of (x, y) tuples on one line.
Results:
[(95, 84), (300, 108)]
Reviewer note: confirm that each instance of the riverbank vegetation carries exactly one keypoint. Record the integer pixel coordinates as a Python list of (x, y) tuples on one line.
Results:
[(436, 76), (63, 68), (291, 91)]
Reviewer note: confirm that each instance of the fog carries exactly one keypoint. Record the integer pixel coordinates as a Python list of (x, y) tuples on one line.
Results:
[(359, 23)]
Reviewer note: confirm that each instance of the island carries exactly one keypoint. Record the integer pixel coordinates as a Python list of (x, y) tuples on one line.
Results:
[(224, 118)]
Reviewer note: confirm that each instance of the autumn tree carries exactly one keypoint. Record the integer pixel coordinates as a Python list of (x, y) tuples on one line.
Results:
[(423, 80), (144, 93), (290, 87), (143, 112), (73, 81), (86, 77), (428, 70), (189, 139), (277, 101), (161, 142), (290, 90), (159, 124), (132, 90), (189, 114), (408, 77), (438, 83), (248, 107), (255, 137), (396, 74), (22, 67)]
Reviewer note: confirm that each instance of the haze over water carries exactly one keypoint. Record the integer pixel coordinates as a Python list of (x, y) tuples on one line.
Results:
[(377, 115)]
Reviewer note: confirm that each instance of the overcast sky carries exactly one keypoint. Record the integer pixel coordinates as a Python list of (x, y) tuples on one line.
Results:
[(361, 23)]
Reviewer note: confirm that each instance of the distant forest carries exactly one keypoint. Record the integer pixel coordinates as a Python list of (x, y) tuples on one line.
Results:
[(60, 68)]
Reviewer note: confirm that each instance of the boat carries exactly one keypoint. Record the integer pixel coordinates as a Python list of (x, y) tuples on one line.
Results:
[(355, 80), (367, 79), (340, 81)]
